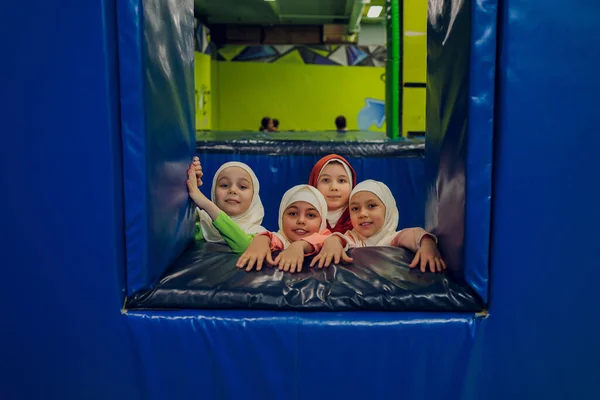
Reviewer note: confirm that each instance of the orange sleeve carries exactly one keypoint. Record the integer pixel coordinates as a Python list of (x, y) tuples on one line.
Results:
[(276, 243), (410, 238), (316, 240)]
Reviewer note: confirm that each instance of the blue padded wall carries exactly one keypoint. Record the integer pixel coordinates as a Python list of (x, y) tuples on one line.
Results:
[(290, 355), (404, 176), (461, 46), (62, 252), (156, 50), (543, 336), (64, 336), (482, 75), (448, 51)]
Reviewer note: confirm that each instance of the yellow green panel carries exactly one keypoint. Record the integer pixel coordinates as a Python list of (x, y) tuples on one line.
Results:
[(415, 16), (293, 57), (215, 104), (229, 52), (302, 97), (202, 79), (414, 66), (413, 117), (415, 61)]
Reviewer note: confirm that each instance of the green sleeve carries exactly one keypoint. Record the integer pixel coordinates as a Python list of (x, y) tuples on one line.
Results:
[(198, 235), (234, 236)]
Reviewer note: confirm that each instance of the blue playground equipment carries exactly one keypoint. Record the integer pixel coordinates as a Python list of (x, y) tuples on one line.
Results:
[(94, 148)]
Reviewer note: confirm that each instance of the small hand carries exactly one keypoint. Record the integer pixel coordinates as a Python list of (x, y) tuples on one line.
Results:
[(199, 198), (197, 169), (258, 252), (291, 258), (332, 251), (428, 254)]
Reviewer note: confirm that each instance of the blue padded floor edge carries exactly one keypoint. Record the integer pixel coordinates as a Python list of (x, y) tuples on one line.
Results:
[(277, 355)]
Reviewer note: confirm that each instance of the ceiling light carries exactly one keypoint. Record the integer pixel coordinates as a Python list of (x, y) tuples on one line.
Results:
[(374, 11)]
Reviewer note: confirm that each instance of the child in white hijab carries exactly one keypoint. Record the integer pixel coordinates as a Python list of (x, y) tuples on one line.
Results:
[(374, 218), (235, 213), (302, 231)]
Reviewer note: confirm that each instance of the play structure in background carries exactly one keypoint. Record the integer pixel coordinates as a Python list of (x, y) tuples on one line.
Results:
[(492, 90), (339, 55), (236, 85), (306, 88)]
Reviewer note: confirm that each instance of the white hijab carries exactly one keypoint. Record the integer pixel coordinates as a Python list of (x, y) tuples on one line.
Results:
[(305, 193), (388, 231), (334, 216), (249, 221)]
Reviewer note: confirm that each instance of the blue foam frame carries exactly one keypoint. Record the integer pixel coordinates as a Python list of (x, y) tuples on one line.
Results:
[(63, 334), (156, 55)]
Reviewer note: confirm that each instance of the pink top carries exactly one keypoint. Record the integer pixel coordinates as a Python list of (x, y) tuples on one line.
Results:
[(409, 238), (316, 240)]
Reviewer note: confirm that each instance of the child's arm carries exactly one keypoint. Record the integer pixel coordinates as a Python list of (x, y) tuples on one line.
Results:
[(334, 249), (316, 240), (291, 259), (234, 236), (425, 244), (428, 254), (411, 238), (199, 198), (258, 252)]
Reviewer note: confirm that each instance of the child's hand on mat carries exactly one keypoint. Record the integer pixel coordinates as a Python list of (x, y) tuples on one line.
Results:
[(291, 259), (332, 251), (258, 252), (199, 198), (198, 169), (428, 254)]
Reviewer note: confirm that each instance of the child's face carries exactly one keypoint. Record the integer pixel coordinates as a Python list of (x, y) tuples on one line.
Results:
[(234, 191), (300, 220), (334, 185), (367, 213)]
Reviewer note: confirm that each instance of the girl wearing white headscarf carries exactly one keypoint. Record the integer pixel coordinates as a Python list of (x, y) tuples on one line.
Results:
[(300, 234), (215, 225), (386, 235)]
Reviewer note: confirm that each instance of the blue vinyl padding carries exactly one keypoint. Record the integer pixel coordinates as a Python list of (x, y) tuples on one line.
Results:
[(156, 53), (277, 174), (543, 336), (461, 46), (291, 355), (62, 206), (480, 145), (64, 336)]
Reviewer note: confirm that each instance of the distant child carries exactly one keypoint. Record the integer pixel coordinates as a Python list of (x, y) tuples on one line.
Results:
[(302, 231), (374, 218), (266, 125), (340, 124), (235, 214), (334, 177)]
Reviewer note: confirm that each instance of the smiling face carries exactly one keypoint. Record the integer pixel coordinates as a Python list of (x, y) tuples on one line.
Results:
[(334, 184), (300, 220), (234, 191), (367, 213)]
